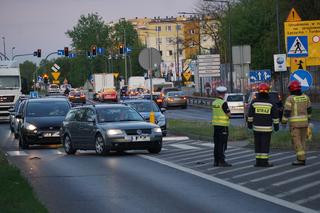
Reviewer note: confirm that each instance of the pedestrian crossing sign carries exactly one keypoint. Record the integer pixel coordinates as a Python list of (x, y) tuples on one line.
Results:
[(297, 46)]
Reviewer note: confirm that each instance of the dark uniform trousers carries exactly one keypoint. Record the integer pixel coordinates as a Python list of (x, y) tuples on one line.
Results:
[(262, 145), (220, 139)]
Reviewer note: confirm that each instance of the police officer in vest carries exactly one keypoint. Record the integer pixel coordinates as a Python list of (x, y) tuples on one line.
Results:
[(297, 110), (220, 122), (262, 114)]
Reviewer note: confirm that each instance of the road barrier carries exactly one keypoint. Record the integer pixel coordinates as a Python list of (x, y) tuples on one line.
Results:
[(200, 101)]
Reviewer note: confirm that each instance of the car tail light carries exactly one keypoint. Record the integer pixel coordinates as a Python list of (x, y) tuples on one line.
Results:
[(159, 100), (170, 99), (184, 98)]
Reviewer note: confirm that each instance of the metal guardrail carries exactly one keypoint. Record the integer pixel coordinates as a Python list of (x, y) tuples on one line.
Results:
[(200, 101)]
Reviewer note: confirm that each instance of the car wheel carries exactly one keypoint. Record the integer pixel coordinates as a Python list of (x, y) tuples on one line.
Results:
[(100, 145), (23, 143), (68, 146), (156, 149)]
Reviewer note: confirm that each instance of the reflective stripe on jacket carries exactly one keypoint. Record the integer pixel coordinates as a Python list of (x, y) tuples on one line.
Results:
[(219, 117)]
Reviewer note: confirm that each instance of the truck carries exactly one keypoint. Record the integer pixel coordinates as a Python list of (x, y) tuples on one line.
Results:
[(135, 82), (102, 81), (157, 85), (10, 87)]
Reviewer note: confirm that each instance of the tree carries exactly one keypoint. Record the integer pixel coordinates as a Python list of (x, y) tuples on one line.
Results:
[(27, 72)]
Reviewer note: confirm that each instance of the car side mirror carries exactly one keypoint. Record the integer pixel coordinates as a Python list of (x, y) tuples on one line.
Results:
[(163, 110), (91, 120)]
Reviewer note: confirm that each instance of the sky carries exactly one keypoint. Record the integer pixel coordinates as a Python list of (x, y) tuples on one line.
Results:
[(28, 25)]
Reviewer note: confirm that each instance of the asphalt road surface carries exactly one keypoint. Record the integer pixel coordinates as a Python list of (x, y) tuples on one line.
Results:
[(132, 182)]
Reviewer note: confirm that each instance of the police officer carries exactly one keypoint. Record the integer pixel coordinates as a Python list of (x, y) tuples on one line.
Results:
[(220, 122), (297, 110), (262, 114)]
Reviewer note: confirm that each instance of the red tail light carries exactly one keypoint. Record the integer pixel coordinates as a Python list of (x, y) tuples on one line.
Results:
[(184, 98)]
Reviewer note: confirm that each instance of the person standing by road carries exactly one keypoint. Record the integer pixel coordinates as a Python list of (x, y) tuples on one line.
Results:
[(297, 110), (220, 122), (262, 114)]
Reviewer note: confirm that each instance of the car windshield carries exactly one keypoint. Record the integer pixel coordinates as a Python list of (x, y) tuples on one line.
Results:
[(9, 82), (177, 93), (47, 109), (115, 114), (234, 98), (144, 106)]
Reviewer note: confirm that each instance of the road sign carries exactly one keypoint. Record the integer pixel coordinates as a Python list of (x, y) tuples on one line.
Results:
[(209, 65), (55, 68), (56, 82), (128, 50), (150, 58), (297, 46), (280, 62), (100, 50), (55, 75), (40, 78), (257, 76), (304, 77), (72, 55), (297, 64), (293, 16), (60, 52), (116, 74), (34, 94), (187, 75)]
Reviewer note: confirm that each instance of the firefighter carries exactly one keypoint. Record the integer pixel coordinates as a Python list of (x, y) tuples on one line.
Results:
[(262, 115), (297, 110), (220, 122)]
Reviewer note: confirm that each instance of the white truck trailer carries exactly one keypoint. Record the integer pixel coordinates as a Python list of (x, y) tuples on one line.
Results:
[(10, 87), (102, 80)]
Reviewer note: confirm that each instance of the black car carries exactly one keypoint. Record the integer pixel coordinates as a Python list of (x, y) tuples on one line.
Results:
[(41, 120), (108, 127), (13, 111)]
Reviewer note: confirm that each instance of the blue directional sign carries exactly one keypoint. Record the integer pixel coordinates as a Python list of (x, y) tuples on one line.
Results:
[(297, 46), (100, 50), (304, 77), (72, 55), (260, 76), (40, 78), (60, 52), (128, 50), (34, 94)]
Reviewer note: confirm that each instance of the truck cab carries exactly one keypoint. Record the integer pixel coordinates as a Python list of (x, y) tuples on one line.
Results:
[(10, 87)]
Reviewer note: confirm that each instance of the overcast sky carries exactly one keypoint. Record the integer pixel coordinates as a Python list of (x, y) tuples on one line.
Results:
[(31, 24)]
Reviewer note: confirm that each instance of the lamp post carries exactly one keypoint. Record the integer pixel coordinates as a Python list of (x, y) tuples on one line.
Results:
[(279, 44), (229, 41), (12, 52), (4, 46), (125, 50)]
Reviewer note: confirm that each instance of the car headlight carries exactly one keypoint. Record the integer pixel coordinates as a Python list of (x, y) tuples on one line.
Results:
[(114, 132), (30, 127), (157, 130), (161, 121)]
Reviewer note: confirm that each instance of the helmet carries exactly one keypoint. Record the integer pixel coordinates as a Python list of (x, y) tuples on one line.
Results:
[(221, 89), (263, 88), (294, 86)]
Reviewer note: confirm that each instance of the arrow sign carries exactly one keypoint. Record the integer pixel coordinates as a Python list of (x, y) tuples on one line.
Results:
[(304, 77), (55, 75), (259, 75)]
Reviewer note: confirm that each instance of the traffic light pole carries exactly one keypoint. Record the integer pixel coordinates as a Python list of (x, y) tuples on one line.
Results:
[(20, 55)]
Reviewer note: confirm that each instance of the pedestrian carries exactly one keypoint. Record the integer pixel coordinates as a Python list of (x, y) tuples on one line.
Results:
[(220, 122), (208, 89), (297, 111), (262, 115)]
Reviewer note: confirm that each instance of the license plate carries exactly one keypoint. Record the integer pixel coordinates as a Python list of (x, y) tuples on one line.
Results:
[(51, 134), (138, 138)]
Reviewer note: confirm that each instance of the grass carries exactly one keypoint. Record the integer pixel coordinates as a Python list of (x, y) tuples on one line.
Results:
[(201, 130), (315, 114), (16, 195)]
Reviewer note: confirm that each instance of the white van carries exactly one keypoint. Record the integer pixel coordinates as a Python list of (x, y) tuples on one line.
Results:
[(235, 102)]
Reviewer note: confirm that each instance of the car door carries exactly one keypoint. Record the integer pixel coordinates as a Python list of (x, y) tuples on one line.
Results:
[(69, 125), (88, 127)]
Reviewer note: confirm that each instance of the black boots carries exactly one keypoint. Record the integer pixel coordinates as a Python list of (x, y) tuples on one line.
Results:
[(299, 163), (263, 163)]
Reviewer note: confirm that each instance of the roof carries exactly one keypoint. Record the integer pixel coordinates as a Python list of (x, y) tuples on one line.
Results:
[(47, 99)]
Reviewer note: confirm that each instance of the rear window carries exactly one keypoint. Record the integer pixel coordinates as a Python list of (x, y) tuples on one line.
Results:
[(53, 86), (233, 98), (177, 93)]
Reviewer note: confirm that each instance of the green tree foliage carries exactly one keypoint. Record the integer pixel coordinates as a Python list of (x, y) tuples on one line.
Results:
[(27, 72)]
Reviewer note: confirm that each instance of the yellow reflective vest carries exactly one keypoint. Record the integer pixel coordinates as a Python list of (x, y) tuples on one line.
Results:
[(219, 117)]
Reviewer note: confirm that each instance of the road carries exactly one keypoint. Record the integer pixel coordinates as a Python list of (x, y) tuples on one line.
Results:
[(132, 182)]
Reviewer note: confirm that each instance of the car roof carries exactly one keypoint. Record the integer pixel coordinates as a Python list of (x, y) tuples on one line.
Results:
[(100, 106), (47, 99), (137, 100)]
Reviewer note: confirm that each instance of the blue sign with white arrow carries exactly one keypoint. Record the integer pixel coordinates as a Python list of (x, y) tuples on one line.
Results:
[(72, 55), (260, 76), (60, 52), (128, 50), (100, 50), (34, 94), (304, 77), (297, 46)]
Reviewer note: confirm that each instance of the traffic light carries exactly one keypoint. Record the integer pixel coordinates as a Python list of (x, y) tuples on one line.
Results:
[(121, 49), (45, 78), (39, 53), (94, 50), (66, 51)]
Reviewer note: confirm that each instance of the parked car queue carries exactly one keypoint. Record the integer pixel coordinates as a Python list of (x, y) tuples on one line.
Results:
[(101, 127)]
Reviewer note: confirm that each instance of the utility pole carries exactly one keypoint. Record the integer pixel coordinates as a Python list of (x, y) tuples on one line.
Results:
[(279, 44), (177, 41)]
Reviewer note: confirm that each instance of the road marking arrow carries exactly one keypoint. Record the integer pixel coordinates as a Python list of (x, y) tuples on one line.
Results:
[(303, 82)]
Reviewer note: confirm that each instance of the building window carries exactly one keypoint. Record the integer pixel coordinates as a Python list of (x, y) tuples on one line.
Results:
[(161, 52), (168, 28), (178, 27), (158, 28), (170, 53), (180, 52)]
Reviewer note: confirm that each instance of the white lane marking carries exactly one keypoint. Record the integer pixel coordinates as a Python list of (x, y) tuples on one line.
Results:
[(173, 138), (233, 186), (241, 168), (184, 146), (206, 144), (298, 189), (285, 172), (295, 179), (17, 153), (308, 199), (173, 154), (189, 154)]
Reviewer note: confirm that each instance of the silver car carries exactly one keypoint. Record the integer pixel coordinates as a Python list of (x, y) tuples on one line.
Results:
[(108, 127)]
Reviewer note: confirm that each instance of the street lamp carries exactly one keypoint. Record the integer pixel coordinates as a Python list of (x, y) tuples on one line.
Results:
[(12, 52), (125, 51), (229, 41), (4, 47)]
